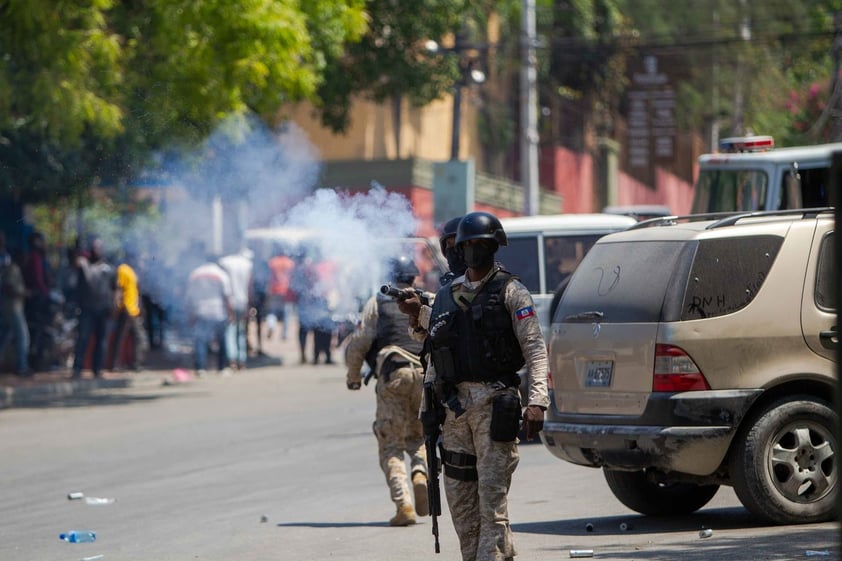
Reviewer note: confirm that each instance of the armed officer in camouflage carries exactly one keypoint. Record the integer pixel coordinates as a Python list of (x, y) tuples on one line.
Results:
[(382, 340), (483, 329)]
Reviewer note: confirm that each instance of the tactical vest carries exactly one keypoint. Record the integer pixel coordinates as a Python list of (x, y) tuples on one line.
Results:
[(477, 344), (392, 329)]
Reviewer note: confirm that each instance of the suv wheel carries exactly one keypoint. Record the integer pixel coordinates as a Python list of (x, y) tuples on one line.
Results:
[(784, 466), (639, 492)]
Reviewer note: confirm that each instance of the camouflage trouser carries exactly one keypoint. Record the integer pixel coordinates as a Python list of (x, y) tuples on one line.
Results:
[(479, 509), (398, 429)]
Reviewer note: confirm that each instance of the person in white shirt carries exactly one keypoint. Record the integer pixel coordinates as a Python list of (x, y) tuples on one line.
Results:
[(239, 267), (209, 301)]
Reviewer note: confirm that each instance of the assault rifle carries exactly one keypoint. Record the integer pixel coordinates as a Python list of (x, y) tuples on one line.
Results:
[(431, 419)]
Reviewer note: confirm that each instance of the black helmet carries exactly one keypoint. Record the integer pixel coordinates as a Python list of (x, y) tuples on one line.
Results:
[(480, 225), (403, 269), (448, 231)]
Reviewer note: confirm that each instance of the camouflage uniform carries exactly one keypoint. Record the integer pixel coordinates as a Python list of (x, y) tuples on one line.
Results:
[(399, 390), (479, 508)]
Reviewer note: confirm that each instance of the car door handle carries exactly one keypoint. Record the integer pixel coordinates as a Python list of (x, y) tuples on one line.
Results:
[(829, 339)]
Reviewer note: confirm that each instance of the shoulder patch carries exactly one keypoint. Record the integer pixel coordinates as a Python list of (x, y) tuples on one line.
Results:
[(524, 313)]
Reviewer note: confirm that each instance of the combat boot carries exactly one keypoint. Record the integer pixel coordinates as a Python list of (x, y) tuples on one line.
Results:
[(419, 486), (404, 517)]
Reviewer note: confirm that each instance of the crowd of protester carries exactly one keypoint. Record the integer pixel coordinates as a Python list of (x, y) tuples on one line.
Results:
[(97, 308)]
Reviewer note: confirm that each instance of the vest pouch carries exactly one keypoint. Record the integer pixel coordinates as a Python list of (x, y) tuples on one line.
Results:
[(443, 362), (505, 417)]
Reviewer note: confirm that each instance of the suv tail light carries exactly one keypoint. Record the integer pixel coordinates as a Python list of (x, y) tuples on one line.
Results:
[(675, 371)]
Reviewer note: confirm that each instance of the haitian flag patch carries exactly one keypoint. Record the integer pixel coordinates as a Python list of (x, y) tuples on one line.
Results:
[(524, 313)]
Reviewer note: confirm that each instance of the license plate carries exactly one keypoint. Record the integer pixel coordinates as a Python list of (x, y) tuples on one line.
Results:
[(598, 373)]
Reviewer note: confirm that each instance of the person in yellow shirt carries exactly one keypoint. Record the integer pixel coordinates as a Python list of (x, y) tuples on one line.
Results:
[(129, 319)]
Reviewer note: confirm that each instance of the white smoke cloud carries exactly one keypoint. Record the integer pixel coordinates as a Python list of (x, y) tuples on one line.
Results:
[(246, 176), (358, 234)]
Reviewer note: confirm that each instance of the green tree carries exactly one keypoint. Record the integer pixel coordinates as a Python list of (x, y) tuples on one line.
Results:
[(132, 77), (584, 68), (742, 60), (391, 60)]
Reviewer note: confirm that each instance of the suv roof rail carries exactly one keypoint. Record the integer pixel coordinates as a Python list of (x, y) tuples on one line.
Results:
[(803, 212), (670, 220), (727, 218)]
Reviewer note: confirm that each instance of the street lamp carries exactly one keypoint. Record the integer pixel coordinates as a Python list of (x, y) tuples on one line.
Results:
[(468, 74)]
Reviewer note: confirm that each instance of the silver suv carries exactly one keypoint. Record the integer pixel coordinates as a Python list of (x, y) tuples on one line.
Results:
[(693, 352)]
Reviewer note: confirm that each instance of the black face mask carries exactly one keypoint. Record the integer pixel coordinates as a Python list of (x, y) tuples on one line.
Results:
[(478, 256), (454, 261)]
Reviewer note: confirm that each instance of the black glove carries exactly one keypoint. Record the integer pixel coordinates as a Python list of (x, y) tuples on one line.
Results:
[(533, 421), (432, 421)]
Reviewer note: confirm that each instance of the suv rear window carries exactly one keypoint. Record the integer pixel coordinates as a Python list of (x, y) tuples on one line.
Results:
[(625, 281), (643, 282), (727, 274)]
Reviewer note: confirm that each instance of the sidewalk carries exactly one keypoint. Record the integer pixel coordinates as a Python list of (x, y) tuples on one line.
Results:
[(44, 387)]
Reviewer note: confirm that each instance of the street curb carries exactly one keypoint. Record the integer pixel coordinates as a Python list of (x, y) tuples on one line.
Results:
[(15, 397), (45, 393)]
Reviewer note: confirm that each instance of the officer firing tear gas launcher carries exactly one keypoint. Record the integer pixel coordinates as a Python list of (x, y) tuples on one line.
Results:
[(382, 340), (418, 306)]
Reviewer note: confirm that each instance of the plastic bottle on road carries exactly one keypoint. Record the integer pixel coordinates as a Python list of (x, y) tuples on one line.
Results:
[(99, 500), (78, 536)]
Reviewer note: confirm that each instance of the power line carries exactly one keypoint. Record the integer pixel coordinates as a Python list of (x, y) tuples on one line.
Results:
[(628, 43)]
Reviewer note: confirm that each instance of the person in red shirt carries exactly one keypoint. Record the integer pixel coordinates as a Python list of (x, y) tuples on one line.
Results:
[(281, 297)]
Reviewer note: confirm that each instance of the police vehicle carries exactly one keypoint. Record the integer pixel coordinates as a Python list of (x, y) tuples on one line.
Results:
[(749, 173)]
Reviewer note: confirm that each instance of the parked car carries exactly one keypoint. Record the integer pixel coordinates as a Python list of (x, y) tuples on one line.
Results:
[(689, 353)]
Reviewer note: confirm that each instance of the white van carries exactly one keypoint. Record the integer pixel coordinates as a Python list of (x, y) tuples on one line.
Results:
[(750, 174), (543, 251)]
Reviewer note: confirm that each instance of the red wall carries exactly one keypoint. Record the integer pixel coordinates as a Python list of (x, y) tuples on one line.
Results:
[(570, 174)]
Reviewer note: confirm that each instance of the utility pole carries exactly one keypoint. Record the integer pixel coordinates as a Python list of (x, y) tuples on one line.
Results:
[(528, 111), (456, 131), (739, 97), (713, 138)]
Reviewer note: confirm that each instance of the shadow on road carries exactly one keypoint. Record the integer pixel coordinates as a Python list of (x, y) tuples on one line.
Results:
[(717, 518), (96, 398), (333, 525), (767, 542)]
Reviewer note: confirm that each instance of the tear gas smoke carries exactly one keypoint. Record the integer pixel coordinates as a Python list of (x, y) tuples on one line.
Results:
[(358, 235), (244, 176)]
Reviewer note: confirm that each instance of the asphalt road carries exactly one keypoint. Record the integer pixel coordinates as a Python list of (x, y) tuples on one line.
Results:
[(280, 463)]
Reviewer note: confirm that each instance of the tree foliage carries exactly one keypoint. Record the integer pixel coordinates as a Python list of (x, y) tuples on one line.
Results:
[(135, 76), (585, 65), (391, 60), (743, 64), (741, 60)]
